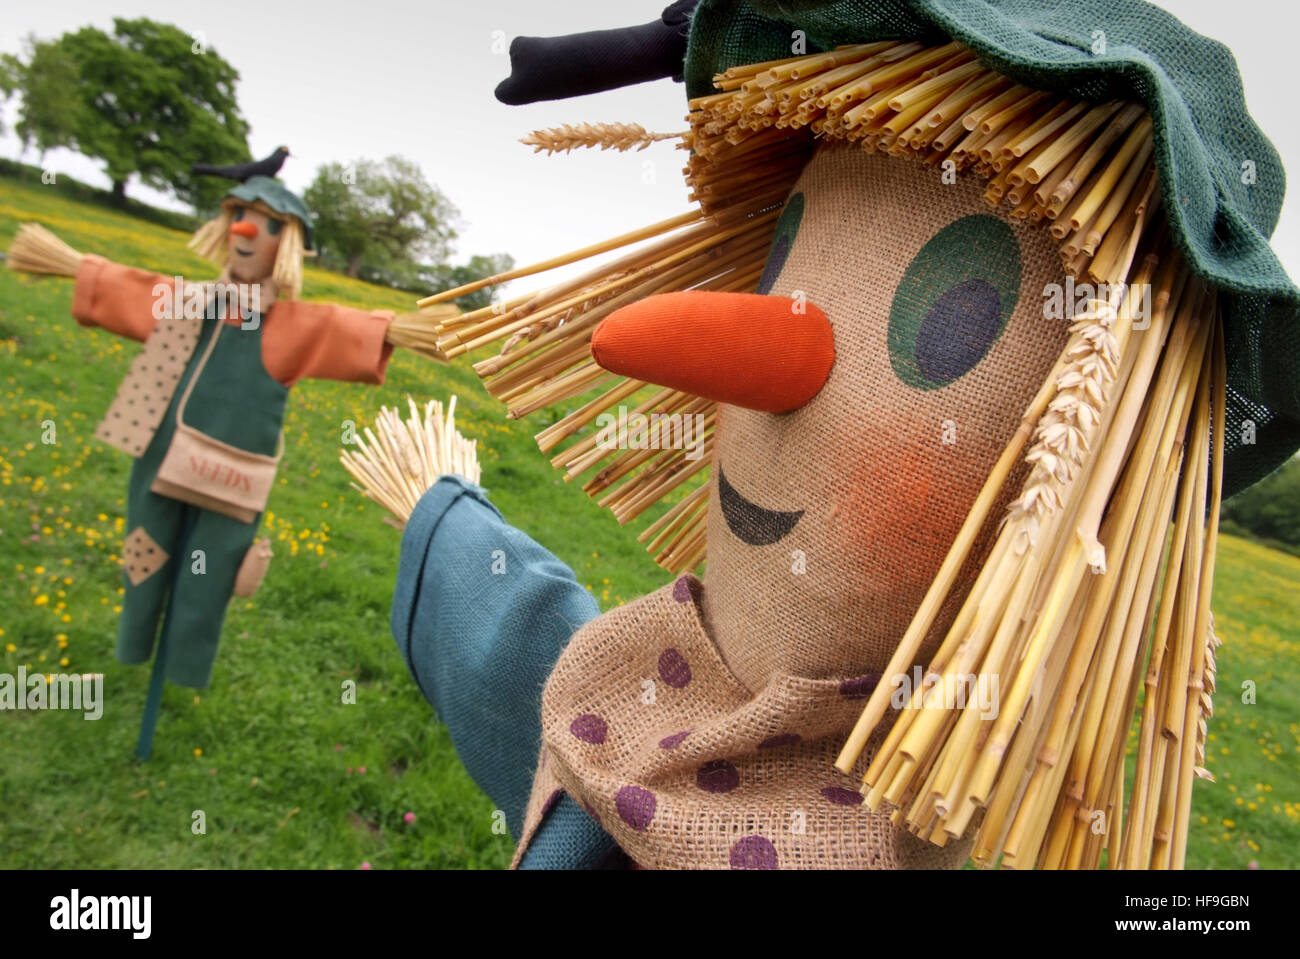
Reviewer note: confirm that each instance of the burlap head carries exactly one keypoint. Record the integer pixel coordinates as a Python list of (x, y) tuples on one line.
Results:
[(700, 724), (882, 466)]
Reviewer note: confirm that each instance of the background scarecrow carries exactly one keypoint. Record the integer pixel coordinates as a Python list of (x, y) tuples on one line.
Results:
[(202, 408), (911, 465)]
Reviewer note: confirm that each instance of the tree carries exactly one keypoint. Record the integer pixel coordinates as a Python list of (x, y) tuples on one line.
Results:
[(51, 107), (448, 277), (149, 101), (1271, 508), (11, 71), (385, 217)]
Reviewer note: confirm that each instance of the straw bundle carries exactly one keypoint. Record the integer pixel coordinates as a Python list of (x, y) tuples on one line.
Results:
[(37, 250), (418, 332), (399, 459)]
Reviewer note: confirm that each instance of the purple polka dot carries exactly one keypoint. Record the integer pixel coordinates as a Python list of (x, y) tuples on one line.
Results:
[(682, 590), (860, 687), (674, 669), (753, 852), (841, 796), (717, 776), (590, 728), (780, 739), (551, 800), (673, 741), (636, 806)]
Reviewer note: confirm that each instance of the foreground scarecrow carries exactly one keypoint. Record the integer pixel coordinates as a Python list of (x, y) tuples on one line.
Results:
[(201, 411), (981, 316)]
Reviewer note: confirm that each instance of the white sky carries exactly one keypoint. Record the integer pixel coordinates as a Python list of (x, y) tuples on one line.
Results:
[(337, 81)]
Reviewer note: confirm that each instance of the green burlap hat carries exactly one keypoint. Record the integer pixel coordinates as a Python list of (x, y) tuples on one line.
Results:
[(278, 197), (1222, 179)]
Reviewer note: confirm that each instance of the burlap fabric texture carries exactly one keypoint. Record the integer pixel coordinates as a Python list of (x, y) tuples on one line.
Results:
[(883, 464)]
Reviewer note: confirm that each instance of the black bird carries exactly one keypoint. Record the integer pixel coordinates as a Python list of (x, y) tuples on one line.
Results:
[(267, 166)]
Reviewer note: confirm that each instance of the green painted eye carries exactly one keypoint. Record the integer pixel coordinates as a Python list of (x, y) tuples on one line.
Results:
[(787, 225), (953, 301), (274, 226), (237, 214)]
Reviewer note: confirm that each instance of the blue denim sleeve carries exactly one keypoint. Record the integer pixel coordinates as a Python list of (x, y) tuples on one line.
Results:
[(481, 613)]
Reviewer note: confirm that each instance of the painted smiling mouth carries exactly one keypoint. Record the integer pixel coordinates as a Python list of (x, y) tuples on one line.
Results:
[(243, 252), (750, 522)]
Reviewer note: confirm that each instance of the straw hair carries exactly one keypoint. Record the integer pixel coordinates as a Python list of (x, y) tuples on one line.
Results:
[(401, 458), (1098, 582), (37, 250)]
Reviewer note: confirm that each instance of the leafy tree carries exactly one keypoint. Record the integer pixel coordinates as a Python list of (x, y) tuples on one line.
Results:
[(448, 277), (51, 105), (385, 217), (149, 100), (1271, 508), (11, 71)]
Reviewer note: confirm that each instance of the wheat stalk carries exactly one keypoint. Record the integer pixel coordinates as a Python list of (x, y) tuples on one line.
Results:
[(607, 136)]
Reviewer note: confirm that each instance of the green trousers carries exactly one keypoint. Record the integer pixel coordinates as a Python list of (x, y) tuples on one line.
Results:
[(190, 590)]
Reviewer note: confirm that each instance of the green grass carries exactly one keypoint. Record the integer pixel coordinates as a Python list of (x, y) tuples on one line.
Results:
[(276, 742)]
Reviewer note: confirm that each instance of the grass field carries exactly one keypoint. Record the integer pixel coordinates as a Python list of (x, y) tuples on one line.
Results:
[(288, 776)]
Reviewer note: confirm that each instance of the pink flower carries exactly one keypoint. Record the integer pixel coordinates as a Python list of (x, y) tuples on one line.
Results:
[(365, 865), (409, 817), (362, 770), (338, 747), (1252, 864), (349, 770)]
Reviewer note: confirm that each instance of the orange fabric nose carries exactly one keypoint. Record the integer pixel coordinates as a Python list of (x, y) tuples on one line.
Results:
[(768, 353), (244, 228)]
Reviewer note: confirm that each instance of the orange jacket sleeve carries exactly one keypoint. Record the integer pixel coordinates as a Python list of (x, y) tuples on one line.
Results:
[(325, 341), (121, 299)]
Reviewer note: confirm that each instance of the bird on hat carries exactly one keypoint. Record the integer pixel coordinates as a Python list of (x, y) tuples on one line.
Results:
[(979, 322), (268, 166)]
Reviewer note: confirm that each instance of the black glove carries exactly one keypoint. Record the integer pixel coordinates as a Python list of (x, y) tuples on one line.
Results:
[(554, 68)]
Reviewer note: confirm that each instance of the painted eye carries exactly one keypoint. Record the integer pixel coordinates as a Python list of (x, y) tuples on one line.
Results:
[(953, 301), (274, 226), (787, 225), (237, 214)]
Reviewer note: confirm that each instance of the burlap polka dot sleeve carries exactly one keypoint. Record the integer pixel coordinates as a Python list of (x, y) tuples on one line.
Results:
[(118, 298)]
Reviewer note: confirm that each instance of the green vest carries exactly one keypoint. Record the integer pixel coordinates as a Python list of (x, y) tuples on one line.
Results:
[(235, 400)]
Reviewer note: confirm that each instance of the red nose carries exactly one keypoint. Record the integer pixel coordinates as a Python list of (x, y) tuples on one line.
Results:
[(244, 228), (768, 353)]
